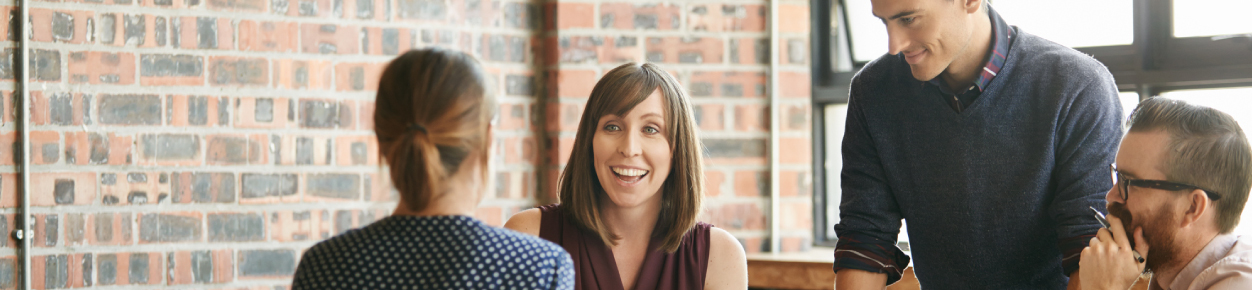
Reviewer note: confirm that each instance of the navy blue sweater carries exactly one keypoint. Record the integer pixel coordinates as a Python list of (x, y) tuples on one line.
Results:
[(995, 196)]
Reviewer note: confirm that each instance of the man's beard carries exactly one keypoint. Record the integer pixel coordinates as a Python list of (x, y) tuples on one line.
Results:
[(1158, 233)]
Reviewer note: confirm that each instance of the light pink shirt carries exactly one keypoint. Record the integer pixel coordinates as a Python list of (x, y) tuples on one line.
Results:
[(1225, 263)]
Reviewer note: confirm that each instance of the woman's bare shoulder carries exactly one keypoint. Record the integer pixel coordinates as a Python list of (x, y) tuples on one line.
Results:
[(526, 221)]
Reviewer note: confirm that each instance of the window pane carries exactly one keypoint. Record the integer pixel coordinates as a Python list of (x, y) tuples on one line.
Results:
[(1238, 103), (1102, 23), (1211, 17), (869, 36), (1130, 100), (836, 115)]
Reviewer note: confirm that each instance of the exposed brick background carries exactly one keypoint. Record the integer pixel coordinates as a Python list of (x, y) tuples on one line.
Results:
[(205, 144)]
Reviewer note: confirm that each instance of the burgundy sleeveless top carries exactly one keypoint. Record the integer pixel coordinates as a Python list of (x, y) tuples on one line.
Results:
[(595, 268)]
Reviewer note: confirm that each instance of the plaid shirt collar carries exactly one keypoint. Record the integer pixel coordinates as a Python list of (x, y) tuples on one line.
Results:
[(1000, 50)]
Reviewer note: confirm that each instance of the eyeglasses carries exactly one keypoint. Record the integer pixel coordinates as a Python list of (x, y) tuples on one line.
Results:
[(1120, 179)]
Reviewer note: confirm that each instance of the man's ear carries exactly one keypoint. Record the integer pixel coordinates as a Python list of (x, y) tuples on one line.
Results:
[(972, 6), (1198, 204)]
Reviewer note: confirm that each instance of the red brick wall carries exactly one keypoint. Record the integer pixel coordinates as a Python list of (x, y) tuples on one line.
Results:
[(183, 142)]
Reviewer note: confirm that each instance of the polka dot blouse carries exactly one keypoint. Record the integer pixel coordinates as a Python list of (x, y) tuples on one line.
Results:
[(445, 252)]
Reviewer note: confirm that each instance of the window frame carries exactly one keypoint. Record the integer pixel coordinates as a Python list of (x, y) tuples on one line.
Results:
[(1155, 62)]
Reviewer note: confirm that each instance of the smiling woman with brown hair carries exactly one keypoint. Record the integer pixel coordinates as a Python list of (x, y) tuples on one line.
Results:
[(632, 190)]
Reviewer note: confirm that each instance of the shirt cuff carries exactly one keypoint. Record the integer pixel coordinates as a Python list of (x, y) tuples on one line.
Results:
[(862, 252), (1071, 251)]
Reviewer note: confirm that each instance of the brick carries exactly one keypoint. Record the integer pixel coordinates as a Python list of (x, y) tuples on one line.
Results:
[(199, 267), (519, 85), (727, 17), (45, 65), (273, 186), (387, 41), (45, 147), (714, 181), (793, 18), (187, 111), (593, 49), (684, 49), (60, 26), (710, 117), (107, 33), (8, 273), (288, 226), (47, 229), (140, 266), (229, 149), (640, 16), (266, 263), (170, 227), (432, 10), (107, 267), (236, 227), (752, 118), (303, 150), (795, 183), (521, 15), (75, 229), (262, 113), (795, 244), (267, 36), (8, 183), (238, 5), (365, 113), (727, 84), (133, 190), (202, 187), (171, 70), (56, 273), (130, 109), (734, 148), (751, 183), (572, 83), (802, 155), (795, 84), (302, 74), (329, 39), (796, 50), (84, 148), (333, 186), (796, 118), (62, 188), (170, 148), (749, 50), (358, 76), (564, 116), (109, 228), (236, 71), (737, 216), (356, 150), (96, 67), (571, 15), (319, 114), (135, 27), (504, 48)]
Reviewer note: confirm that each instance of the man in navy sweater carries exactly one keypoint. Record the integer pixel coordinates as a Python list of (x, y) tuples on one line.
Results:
[(991, 142)]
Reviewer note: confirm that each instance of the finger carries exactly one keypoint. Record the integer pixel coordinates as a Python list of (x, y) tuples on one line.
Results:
[(1141, 246), (1119, 232), (1105, 236)]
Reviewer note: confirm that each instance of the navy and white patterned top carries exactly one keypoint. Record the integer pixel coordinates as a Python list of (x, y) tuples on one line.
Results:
[(443, 252)]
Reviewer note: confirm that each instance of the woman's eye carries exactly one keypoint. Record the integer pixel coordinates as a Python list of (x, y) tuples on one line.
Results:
[(651, 130), (612, 127)]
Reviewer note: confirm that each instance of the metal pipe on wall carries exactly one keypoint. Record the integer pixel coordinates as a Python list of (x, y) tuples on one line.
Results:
[(24, 217), (774, 129)]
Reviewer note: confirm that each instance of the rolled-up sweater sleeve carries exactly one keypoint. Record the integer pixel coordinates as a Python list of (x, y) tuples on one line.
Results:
[(869, 218), (1089, 131)]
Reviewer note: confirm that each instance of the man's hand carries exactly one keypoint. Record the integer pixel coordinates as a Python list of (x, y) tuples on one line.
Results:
[(1108, 262)]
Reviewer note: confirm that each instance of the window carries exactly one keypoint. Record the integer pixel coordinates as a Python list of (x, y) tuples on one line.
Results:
[(1196, 50), (1103, 23), (1211, 17)]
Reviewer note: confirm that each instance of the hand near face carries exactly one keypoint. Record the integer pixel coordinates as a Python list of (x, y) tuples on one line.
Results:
[(1108, 262)]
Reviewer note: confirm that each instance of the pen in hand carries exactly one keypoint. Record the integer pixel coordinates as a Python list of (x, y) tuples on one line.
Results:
[(1105, 222)]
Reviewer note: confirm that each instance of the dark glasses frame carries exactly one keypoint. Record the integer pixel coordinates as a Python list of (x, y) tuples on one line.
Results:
[(1120, 179)]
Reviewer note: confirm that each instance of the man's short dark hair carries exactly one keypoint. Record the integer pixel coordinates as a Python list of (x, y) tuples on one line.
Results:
[(1207, 148)]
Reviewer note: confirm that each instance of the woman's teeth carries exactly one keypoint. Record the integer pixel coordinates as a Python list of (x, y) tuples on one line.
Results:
[(629, 172)]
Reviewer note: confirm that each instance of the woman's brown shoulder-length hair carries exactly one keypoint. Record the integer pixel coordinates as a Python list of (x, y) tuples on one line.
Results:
[(619, 91)]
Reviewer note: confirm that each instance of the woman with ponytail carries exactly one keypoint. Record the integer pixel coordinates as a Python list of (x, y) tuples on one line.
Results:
[(433, 120)]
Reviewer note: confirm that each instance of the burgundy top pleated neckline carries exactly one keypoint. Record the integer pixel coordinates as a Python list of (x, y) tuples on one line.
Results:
[(596, 269)]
